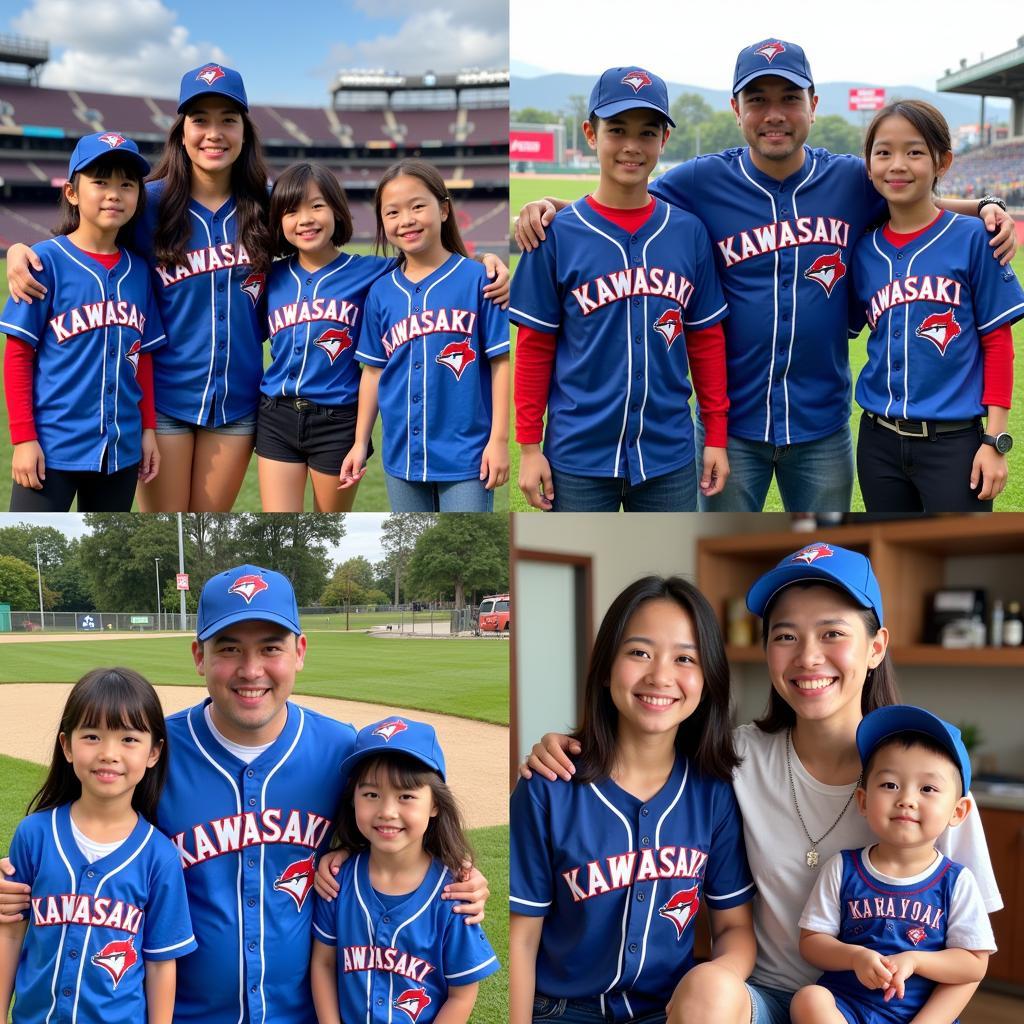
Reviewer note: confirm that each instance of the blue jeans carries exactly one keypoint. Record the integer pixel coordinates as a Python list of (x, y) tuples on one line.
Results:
[(443, 496), (814, 476), (581, 1011), (673, 492), (172, 425), (769, 1005)]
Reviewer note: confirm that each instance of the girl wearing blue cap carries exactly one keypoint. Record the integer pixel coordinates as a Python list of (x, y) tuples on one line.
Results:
[(389, 943), (77, 374), (826, 650)]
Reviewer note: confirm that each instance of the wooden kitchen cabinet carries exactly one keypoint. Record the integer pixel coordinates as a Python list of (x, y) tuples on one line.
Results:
[(1004, 831)]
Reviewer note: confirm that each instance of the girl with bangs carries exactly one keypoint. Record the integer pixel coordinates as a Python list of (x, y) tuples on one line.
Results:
[(98, 868), (389, 942)]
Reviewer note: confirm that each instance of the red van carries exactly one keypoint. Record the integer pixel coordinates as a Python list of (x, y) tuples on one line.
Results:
[(494, 614)]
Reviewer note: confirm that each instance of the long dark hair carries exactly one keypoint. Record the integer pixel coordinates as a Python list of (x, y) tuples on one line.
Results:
[(290, 189), (451, 237), (110, 698), (248, 186), (706, 736), (880, 689), (445, 838), (105, 167)]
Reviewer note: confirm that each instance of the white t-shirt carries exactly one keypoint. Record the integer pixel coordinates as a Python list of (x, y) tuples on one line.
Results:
[(244, 754), (91, 850), (777, 846), (967, 923)]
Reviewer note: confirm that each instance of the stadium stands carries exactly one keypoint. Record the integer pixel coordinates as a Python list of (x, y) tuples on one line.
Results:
[(998, 169)]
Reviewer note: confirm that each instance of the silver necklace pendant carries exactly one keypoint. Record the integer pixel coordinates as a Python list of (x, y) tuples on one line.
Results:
[(812, 858)]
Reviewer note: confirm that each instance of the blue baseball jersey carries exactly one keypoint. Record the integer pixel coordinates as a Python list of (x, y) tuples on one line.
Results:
[(783, 252), (619, 882), (92, 926), (620, 305), (88, 333), (434, 341), (214, 310), (927, 304), (926, 914), (247, 836), (313, 320), (397, 956)]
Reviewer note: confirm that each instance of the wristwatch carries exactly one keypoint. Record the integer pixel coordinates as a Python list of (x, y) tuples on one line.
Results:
[(988, 200), (1001, 442)]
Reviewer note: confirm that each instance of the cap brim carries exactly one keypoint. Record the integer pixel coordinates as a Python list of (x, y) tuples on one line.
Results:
[(183, 105), (761, 593), (888, 721), (789, 76), (611, 109), (244, 615), (135, 158), (361, 755)]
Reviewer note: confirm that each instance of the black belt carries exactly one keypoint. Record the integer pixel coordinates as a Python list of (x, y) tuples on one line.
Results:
[(921, 428), (303, 405)]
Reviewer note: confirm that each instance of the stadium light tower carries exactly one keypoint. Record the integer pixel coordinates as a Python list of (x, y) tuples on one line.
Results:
[(157, 560), (39, 577)]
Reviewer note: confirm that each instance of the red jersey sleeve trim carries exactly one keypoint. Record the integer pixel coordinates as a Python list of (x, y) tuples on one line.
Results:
[(997, 367), (535, 362), (19, 366), (705, 350)]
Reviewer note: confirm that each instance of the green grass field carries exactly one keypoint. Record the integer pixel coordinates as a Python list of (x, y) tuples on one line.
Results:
[(22, 779), (464, 677), (523, 190), (370, 497)]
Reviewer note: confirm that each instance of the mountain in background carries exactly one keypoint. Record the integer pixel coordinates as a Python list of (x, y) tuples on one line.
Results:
[(551, 92)]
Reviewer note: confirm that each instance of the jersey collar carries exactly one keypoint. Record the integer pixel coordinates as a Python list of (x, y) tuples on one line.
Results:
[(773, 184), (435, 275), (224, 757), (412, 904), (137, 838)]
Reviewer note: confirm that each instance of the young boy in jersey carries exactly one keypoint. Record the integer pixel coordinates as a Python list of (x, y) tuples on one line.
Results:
[(613, 314), (888, 922)]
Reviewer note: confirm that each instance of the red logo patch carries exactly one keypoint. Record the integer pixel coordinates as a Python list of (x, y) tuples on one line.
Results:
[(210, 74), (916, 934), (770, 50), (637, 80), (253, 286), (413, 1001), (297, 880), (669, 325), (390, 729), (112, 139), (334, 342), (132, 355), (828, 271), (248, 587), (812, 553), (117, 958), (940, 329), (456, 356), (681, 909)]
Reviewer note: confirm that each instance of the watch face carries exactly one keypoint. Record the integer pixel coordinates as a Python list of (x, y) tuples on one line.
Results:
[(1003, 443)]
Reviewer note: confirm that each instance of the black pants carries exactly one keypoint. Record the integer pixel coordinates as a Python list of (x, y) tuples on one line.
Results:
[(917, 474), (97, 492)]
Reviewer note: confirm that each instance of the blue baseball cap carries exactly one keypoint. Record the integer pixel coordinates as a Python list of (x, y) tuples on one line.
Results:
[(772, 57), (213, 79), (397, 736), (849, 570), (882, 723), (248, 592), (94, 147), (629, 88)]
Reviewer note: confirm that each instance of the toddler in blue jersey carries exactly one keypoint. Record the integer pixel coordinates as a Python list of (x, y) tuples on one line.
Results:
[(77, 373), (435, 358), (888, 922), (389, 949), (108, 914)]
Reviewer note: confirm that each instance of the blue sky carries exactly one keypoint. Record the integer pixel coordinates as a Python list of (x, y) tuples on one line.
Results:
[(287, 52)]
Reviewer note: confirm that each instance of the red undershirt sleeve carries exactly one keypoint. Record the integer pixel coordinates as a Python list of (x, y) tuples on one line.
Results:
[(705, 351), (535, 361), (19, 357), (147, 406), (997, 367)]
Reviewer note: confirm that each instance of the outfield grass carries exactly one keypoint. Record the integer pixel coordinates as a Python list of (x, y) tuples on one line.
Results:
[(527, 189), (22, 779), (370, 497), (464, 677)]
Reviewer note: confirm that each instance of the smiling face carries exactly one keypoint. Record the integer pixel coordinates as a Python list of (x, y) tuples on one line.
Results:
[(911, 795), (105, 201), (213, 134), (628, 147), (902, 167), (656, 677), (412, 218), (775, 117), (309, 226), (250, 670), (393, 818), (819, 652), (109, 762)]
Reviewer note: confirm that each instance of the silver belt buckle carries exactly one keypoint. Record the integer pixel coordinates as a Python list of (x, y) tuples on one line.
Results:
[(922, 432)]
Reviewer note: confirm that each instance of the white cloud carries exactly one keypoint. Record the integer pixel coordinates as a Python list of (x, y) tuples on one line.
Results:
[(112, 46), (459, 35)]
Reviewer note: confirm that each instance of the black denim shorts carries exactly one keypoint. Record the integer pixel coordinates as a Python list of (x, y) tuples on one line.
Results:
[(295, 430)]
